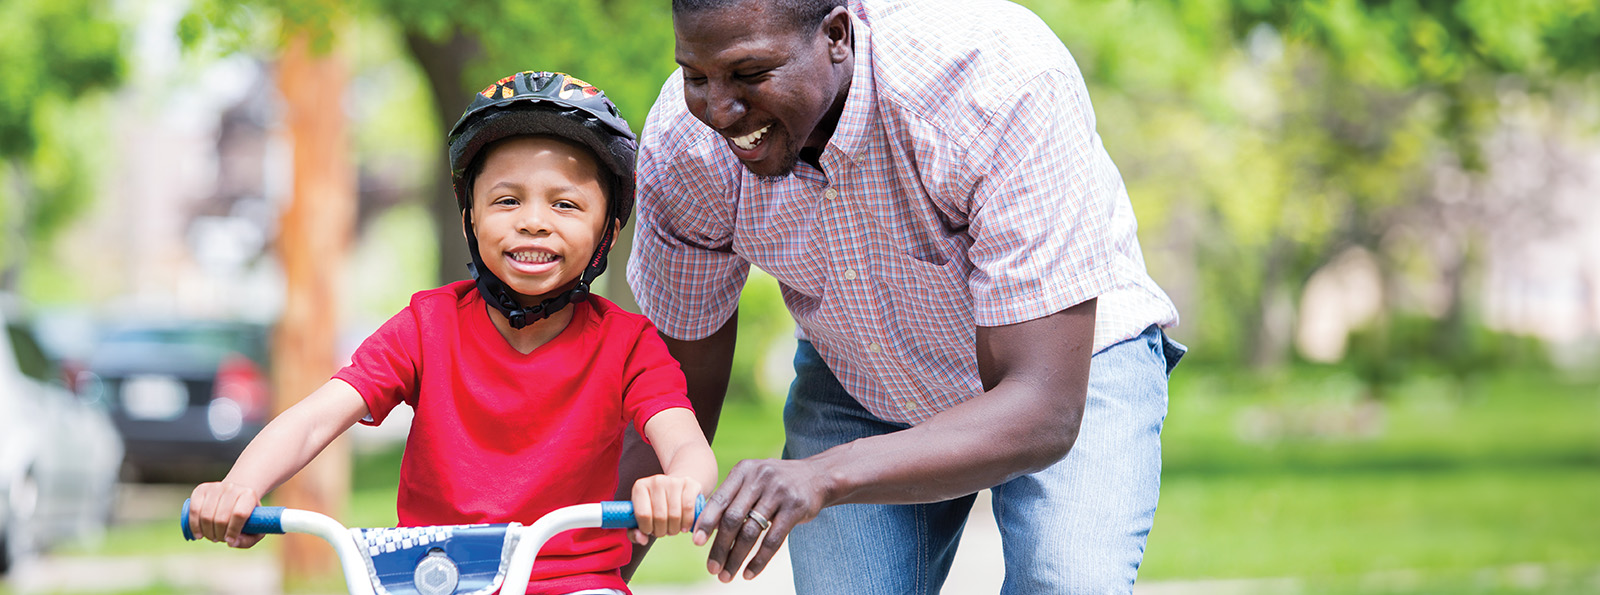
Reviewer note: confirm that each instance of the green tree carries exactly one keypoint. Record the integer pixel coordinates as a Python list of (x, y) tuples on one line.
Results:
[(55, 53), (1269, 136)]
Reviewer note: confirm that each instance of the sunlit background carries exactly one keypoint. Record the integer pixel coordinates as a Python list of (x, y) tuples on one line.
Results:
[(1380, 220)]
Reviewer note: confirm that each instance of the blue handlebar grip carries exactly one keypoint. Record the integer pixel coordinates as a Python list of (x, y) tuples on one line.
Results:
[(618, 514), (263, 520), (184, 522)]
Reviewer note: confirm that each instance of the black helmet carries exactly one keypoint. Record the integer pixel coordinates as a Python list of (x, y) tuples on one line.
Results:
[(550, 104)]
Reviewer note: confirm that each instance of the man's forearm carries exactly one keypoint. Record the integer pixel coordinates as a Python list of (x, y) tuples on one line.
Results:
[(707, 364), (1036, 374), (962, 450)]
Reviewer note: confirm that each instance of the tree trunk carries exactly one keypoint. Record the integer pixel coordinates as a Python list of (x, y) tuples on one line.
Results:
[(445, 63), (1272, 327), (14, 226), (315, 233), (1454, 325)]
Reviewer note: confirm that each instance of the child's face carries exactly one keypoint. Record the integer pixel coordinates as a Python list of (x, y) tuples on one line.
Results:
[(538, 210)]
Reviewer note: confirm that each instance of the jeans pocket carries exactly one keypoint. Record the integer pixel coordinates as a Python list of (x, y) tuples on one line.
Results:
[(1172, 351)]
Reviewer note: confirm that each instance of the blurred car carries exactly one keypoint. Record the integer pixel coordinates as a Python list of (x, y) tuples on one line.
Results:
[(59, 453), (187, 396)]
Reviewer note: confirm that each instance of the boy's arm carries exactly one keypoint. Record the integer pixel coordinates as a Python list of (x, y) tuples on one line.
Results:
[(282, 448), (681, 447), (664, 504), (706, 364)]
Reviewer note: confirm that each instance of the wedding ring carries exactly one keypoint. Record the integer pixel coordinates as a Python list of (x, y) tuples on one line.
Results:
[(759, 519)]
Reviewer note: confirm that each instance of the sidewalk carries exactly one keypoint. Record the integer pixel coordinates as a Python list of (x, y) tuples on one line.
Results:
[(223, 573)]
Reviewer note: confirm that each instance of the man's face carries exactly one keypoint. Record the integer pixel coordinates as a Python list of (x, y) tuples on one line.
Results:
[(768, 88)]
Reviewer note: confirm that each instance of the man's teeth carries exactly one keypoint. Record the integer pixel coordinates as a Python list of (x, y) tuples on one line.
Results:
[(534, 257), (749, 141)]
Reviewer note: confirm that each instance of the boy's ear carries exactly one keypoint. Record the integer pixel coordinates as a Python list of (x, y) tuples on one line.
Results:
[(467, 224)]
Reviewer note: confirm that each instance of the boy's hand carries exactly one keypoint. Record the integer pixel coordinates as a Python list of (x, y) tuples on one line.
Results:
[(218, 511), (663, 505)]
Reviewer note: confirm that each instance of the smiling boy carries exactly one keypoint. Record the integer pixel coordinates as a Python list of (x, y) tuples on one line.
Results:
[(522, 382)]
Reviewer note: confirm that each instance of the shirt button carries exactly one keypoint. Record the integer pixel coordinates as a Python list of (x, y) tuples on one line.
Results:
[(875, 348), (908, 405), (850, 274), (830, 194)]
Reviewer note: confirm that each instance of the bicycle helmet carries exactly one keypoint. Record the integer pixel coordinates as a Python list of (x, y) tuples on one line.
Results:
[(550, 104)]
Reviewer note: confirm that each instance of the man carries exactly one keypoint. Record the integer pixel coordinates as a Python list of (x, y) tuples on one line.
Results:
[(924, 180)]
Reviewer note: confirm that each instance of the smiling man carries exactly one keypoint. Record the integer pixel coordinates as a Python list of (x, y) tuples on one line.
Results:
[(924, 180)]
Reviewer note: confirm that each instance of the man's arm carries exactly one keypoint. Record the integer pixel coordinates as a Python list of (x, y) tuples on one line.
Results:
[(1036, 378), (706, 365)]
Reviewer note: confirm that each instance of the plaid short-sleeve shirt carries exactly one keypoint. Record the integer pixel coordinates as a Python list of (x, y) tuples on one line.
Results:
[(965, 185)]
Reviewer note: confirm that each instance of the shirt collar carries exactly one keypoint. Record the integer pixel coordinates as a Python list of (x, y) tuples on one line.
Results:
[(849, 139)]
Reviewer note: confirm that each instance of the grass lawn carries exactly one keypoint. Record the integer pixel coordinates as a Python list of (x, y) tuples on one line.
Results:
[(1477, 487), (1355, 523)]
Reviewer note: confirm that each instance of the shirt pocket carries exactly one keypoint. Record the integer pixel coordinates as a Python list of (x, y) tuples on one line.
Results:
[(923, 252), (930, 308)]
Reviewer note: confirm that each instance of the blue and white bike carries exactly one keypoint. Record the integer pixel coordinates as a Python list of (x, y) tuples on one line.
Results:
[(439, 560)]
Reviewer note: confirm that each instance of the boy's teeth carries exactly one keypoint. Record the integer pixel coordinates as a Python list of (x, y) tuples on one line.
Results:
[(749, 141), (532, 256)]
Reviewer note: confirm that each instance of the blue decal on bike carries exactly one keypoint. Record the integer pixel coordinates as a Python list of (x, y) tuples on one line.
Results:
[(442, 560)]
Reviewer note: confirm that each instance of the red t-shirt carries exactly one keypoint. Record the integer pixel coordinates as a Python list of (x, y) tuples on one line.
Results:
[(500, 436)]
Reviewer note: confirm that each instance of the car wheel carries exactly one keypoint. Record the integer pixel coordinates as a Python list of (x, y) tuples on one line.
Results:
[(22, 500)]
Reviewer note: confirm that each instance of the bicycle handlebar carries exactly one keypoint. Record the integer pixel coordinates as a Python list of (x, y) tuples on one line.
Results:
[(268, 520)]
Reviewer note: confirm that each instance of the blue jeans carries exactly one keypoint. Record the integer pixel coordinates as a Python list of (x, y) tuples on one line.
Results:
[(1077, 527)]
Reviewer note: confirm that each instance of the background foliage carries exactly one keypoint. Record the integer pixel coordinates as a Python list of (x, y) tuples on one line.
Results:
[(54, 54), (1263, 142)]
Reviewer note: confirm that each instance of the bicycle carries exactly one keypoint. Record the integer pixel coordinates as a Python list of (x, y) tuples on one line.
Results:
[(438, 560)]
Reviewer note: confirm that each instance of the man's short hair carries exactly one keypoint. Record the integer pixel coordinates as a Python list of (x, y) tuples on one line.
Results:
[(803, 15)]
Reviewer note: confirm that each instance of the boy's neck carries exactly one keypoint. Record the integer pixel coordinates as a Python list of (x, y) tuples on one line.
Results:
[(529, 338)]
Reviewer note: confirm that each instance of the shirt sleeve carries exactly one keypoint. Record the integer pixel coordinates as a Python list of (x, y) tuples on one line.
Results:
[(653, 380), (1042, 204), (384, 369), (683, 270)]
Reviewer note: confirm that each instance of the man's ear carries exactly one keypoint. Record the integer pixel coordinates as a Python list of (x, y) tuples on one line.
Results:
[(841, 36)]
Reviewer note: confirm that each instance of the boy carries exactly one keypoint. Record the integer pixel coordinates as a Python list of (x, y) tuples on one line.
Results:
[(519, 399)]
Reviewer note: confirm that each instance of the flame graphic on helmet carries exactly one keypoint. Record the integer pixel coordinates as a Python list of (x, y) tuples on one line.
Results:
[(575, 85), (571, 86), (501, 87)]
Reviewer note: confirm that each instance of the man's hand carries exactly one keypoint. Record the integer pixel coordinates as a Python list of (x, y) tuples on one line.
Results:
[(782, 493)]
